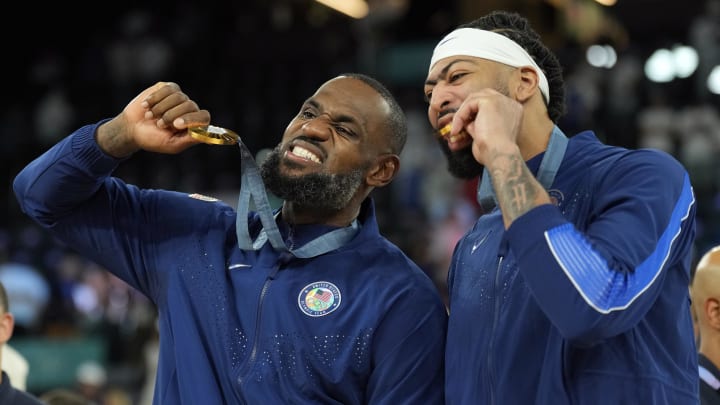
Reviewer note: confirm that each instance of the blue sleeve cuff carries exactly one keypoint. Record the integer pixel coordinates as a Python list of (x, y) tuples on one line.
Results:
[(529, 228), (87, 152)]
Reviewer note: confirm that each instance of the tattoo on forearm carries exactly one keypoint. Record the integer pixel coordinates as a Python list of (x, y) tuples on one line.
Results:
[(113, 143), (515, 187)]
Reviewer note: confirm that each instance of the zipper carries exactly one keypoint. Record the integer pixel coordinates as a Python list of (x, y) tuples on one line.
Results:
[(496, 315), (258, 320)]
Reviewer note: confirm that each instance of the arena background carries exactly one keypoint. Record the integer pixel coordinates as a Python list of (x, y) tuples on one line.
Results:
[(251, 63)]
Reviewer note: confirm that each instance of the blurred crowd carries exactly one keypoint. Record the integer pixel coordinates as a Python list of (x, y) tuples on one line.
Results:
[(250, 65)]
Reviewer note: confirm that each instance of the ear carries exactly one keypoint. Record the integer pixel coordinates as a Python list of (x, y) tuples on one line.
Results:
[(384, 170), (712, 311), (7, 323), (527, 84)]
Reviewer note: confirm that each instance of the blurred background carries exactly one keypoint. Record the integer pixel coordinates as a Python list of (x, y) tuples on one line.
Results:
[(641, 73)]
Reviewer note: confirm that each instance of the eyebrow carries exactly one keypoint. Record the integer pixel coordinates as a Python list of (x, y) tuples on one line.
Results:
[(337, 118)]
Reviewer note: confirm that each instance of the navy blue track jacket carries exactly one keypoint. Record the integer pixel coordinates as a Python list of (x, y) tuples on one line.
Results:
[(582, 302), (358, 325)]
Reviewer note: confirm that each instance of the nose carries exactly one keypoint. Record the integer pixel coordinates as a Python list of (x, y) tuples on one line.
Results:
[(318, 128)]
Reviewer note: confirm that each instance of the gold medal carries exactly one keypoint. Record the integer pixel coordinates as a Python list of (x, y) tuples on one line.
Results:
[(214, 135), (444, 131)]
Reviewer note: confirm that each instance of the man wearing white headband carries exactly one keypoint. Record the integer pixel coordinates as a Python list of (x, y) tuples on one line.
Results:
[(572, 287)]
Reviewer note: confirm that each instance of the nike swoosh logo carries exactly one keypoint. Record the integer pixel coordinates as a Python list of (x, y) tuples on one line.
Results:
[(238, 266)]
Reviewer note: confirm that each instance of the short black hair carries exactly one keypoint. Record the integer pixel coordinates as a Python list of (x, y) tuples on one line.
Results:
[(517, 28), (398, 120)]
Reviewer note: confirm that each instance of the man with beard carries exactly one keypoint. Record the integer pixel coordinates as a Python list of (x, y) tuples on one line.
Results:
[(351, 320), (572, 287)]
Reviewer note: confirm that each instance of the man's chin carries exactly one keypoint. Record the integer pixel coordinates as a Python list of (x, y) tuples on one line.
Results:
[(462, 163), (459, 142), (465, 173)]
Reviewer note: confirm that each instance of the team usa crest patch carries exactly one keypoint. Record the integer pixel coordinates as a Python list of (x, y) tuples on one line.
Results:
[(319, 298)]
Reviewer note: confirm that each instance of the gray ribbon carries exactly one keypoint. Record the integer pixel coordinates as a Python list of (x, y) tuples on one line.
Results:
[(252, 188)]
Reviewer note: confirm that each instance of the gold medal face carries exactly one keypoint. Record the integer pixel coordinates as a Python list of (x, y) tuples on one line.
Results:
[(214, 135), (445, 130)]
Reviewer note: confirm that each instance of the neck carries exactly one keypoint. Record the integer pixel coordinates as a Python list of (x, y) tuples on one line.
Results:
[(535, 131), (305, 215), (710, 347)]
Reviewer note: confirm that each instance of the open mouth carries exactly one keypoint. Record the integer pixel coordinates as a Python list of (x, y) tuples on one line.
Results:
[(304, 154), (455, 141)]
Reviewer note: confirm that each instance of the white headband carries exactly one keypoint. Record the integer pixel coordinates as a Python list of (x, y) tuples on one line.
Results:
[(487, 45)]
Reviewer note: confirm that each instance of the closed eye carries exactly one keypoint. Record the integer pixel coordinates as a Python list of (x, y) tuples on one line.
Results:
[(307, 114), (455, 76), (428, 96), (344, 131)]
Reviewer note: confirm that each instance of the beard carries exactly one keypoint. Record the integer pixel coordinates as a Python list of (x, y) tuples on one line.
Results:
[(316, 191), (462, 163)]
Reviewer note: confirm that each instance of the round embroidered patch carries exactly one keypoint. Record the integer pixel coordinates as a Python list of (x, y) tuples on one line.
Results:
[(319, 298)]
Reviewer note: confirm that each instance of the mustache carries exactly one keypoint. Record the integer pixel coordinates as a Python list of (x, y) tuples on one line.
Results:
[(441, 132), (310, 140), (446, 112), (306, 138)]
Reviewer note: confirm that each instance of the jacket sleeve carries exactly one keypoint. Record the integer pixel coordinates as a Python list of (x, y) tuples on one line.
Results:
[(599, 281), (68, 190), (409, 350)]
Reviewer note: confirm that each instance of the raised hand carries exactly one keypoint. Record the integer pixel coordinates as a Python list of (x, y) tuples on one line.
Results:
[(156, 120)]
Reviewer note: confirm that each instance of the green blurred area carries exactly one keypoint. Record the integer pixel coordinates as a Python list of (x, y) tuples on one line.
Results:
[(54, 361)]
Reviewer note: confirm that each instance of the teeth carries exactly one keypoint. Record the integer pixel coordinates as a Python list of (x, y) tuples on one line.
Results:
[(304, 153), (445, 131), (456, 137)]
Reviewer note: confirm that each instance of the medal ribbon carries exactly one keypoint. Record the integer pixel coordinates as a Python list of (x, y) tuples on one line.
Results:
[(252, 188)]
